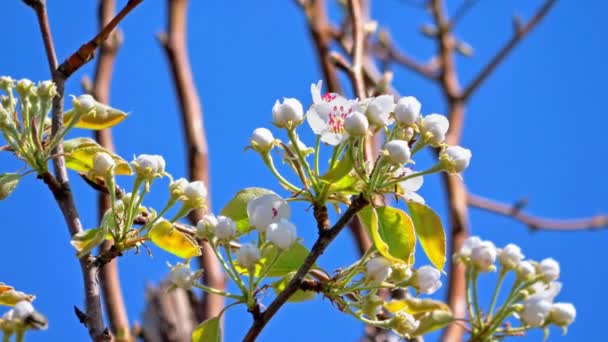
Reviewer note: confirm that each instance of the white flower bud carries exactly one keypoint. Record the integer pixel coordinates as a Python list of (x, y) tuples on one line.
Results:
[(407, 110), (467, 246), (225, 229), (483, 256), (176, 188), (282, 234), (379, 109), (378, 269), (455, 159), (23, 309), (550, 269), (267, 209), (404, 324), (397, 151), (6, 119), (182, 276), (562, 314), (510, 256), (149, 166), (195, 194), (434, 129), (356, 124), (525, 270), (206, 225), (103, 164), (6, 83), (262, 140), (536, 310), (24, 87), (248, 255), (404, 133), (47, 89), (84, 103), (427, 280), (287, 114)]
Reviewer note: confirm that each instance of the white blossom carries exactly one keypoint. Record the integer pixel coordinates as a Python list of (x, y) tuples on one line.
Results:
[(378, 269), (525, 270), (356, 124), (455, 159), (176, 188), (182, 276), (379, 110), (407, 110), (22, 310), (397, 151), (404, 323), (282, 234), (427, 280), (288, 114), (149, 166), (467, 246), (327, 114), (103, 164), (195, 194), (510, 256), (267, 209), (262, 139), (225, 229), (550, 269), (248, 255), (536, 310), (410, 185), (483, 256), (206, 225), (434, 129), (562, 314)]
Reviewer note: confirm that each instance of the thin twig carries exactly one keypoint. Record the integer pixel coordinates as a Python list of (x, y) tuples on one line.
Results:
[(354, 7), (318, 248), (535, 222), (174, 43), (520, 32)]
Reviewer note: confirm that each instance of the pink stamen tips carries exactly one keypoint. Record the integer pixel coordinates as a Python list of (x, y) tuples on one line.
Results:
[(275, 212), (328, 97)]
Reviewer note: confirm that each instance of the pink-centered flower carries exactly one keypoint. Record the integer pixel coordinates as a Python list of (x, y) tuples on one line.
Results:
[(327, 114)]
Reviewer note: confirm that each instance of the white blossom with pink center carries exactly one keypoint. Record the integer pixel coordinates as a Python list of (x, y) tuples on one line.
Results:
[(327, 113)]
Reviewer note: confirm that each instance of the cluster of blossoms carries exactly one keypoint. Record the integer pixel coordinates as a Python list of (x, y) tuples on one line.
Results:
[(531, 299), (21, 316)]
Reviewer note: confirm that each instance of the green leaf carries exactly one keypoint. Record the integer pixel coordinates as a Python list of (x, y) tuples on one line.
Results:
[(415, 306), (430, 232), (165, 236), (342, 168), (349, 184), (432, 321), (392, 232), (100, 117), (86, 240), (298, 296), (236, 208), (9, 296), (8, 183), (208, 331), (289, 261), (80, 152)]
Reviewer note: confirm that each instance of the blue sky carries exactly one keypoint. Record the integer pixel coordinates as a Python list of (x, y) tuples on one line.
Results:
[(536, 129)]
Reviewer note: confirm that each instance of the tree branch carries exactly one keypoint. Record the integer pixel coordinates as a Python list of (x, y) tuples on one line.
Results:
[(318, 248), (516, 212), (354, 7), (520, 32), (174, 44)]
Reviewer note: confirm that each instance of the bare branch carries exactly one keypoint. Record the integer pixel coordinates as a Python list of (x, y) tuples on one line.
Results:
[(393, 55), (535, 222), (460, 12), (354, 7), (174, 43), (520, 32)]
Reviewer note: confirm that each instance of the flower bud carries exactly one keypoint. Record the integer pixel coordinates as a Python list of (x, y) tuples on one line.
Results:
[(427, 280), (103, 164), (288, 114), (525, 270), (536, 310), (562, 314), (23, 309), (24, 87), (182, 276), (434, 128), (6, 120), (404, 133), (7, 83), (195, 194), (267, 209), (397, 151), (549, 269), (510, 256), (206, 225), (407, 110), (455, 159), (149, 166), (282, 234), (84, 104), (47, 89), (262, 140), (483, 256), (176, 188), (467, 246), (401, 273), (8, 184), (379, 109), (371, 305), (225, 229), (404, 324), (378, 269), (248, 255), (356, 124)]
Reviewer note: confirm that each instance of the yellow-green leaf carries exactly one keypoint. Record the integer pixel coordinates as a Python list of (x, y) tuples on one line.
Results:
[(208, 331), (86, 240), (415, 306), (100, 117), (9, 296), (288, 261), (341, 169), (392, 232), (236, 208), (8, 183), (80, 152), (298, 296), (165, 236), (432, 321), (430, 232)]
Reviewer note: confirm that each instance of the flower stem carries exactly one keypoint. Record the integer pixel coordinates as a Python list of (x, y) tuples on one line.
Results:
[(294, 141), (236, 277), (478, 312), (433, 169), (317, 147), (270, 163), (218, 292), (501, 277)]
